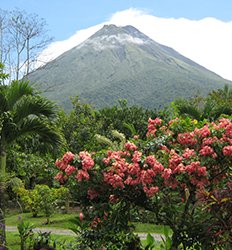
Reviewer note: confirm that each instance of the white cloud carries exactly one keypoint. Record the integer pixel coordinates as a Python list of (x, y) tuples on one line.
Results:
[(112, 41), (55, 49), (207, 41)]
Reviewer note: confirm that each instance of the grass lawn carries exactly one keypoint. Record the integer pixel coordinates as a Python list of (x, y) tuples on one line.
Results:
[(149, 228), (63, 221)]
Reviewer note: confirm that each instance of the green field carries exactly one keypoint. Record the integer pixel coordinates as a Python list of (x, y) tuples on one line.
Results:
[(62, 221)]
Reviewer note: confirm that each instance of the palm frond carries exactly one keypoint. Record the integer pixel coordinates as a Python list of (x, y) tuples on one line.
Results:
[(130, 127), (33, 105), (37, 126), (226, 110), (16, 90), (189, 111), (104, 140)]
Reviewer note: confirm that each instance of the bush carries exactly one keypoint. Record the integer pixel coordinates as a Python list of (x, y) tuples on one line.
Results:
[(42, 199), (165, 174)]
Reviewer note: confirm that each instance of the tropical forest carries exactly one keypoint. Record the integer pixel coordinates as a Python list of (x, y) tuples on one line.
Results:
[(120, 176)]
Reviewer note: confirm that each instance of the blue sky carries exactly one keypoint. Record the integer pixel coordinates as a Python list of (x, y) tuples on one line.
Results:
[(198, 29), (65, 17)]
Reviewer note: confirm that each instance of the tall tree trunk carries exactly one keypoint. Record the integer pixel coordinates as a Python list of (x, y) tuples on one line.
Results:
[(2, 198)]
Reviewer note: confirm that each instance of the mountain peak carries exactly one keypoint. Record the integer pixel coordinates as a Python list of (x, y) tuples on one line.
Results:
[(123, 63), (112, 36)]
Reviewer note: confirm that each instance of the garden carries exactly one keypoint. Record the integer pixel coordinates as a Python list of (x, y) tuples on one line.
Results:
[(109, 175)]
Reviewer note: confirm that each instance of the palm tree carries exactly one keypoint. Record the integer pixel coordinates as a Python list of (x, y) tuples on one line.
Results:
[(22, 112), (196, 108), (218, 102), (222, 101)]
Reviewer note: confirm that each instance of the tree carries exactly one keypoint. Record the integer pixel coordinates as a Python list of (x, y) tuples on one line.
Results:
[(2, 32), (26, 36), (221, 100), (218, 102), (80, 127), (84, 122), (22, 112), (129, 120)]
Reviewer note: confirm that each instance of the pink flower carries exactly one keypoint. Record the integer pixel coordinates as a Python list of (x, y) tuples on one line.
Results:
[(166, 173), (227, 151), (130, 146), (206, 151), (202, 132), (61, 165), (87, 162), (229, 130), (114, 180), (209, 141), (150, 160), (158, 167), (224, 122), (188, 153), (157, 121), (68, 157), (81, 175), (187, 139), (175, 159), (81, 216), (147, 176), (202, 171), (69, 170), (172, 121), (165, 148), (150, 191), (128, 181), (61, 178), (152, 124), (133, 169), (136, 156)]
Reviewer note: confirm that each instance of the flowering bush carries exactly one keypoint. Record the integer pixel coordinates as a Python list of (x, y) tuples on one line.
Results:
[(167, 173)]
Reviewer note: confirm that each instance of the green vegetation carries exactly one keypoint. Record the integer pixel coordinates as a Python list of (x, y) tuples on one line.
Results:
[(149, 228), (22, 112), (116, 203), (14, 240)]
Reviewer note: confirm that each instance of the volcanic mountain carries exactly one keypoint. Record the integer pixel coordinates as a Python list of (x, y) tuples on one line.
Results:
[(123, 63)]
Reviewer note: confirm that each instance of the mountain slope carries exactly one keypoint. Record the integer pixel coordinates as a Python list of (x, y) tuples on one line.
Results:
[(123, 63)]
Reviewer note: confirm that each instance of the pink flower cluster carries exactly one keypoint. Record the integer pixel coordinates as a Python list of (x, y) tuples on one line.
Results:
[(207, 151), (64, 166), (202, 132), (125, 169), (187, 139), (185, 160), (227, 151), (153, 125), (130, 146), (67, 166), (87, 163)]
